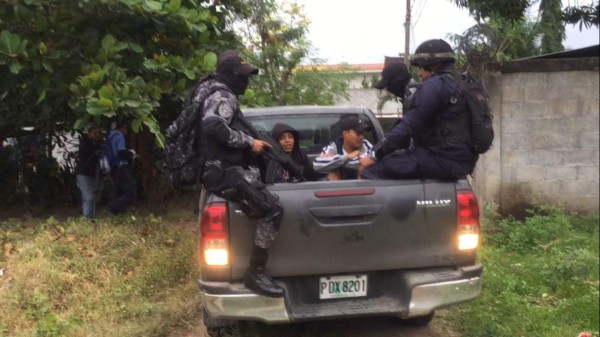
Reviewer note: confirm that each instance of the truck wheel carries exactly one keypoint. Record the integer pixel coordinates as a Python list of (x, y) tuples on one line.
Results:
[(419, 320)]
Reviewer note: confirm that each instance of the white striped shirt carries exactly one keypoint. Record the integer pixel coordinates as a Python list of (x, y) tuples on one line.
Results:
[(330, 154)]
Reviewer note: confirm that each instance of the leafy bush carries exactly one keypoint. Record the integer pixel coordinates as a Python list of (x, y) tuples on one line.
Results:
[(540, 276)]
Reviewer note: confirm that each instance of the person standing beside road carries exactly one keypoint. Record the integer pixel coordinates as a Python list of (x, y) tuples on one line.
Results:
[(289, 141), (348, 149), (436, 121), (122, 179), (89, 179), (231, 164)]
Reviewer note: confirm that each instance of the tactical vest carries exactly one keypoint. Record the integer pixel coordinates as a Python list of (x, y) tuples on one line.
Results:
[(448, 129), (228, 156)]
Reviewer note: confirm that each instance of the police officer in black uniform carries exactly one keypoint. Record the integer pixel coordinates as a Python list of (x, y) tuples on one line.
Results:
[(437, 122), (231, 169)]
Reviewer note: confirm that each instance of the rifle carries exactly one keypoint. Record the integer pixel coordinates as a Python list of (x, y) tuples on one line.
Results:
[(274, 152)]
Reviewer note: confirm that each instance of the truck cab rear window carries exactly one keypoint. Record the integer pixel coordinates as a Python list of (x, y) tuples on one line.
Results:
[(316, 131)]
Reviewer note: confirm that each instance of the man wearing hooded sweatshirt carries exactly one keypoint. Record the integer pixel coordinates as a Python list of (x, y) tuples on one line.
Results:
[(289, 141), (231, 167)]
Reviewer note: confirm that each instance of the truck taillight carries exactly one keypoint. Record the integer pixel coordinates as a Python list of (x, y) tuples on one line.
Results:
[(468, 220), (214, 238)]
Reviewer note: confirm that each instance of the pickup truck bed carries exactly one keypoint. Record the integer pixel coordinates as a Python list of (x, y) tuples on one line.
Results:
[(348, 248)]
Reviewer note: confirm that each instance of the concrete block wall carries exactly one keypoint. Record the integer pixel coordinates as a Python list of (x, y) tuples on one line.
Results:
[(547, 140)]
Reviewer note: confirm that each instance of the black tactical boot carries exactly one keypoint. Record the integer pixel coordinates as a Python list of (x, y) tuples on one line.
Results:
[(262, 284)]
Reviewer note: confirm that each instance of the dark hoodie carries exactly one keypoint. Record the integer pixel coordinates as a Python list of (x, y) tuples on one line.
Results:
[(297, 155)]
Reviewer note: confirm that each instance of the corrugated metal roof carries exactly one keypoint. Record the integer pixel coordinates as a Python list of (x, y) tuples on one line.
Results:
[(591, 51)]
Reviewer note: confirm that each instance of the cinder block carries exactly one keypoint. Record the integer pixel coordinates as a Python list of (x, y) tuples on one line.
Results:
[(588, 173), (534, 79), (530, 173), (516, 125), (561, 141), (580, 157), (580, 188), (588, 140), (543, 93), (512, 159), (558, 173), (544, 157), (580, 92), (512, 80), (589, 106), (564, 108), (512, 94)]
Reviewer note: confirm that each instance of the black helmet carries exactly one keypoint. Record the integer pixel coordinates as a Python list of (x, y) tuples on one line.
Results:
[(432, 52)]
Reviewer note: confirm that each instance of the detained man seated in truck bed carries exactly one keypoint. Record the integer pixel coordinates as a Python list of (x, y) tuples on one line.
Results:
[(345, 153), (289, 141)]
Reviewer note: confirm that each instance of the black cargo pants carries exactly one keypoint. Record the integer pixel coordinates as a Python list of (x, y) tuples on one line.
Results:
[(243, 186)]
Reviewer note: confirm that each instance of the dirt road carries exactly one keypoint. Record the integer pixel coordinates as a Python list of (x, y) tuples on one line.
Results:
[(361, 327)]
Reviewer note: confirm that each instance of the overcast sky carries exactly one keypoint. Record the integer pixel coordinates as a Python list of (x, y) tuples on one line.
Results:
[(356, 32)]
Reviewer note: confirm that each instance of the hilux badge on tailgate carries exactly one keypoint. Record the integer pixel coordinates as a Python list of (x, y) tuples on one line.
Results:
[(434, 203)]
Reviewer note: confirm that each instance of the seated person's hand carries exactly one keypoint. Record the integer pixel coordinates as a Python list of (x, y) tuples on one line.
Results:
[(366, 162), (258, 146)]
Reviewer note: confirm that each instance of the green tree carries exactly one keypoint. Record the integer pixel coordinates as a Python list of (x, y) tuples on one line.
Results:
[(511, 34), (275, 36), (483, 9), (512, 10), (505, 40), (551, 27), (64, 62), (586, 15)]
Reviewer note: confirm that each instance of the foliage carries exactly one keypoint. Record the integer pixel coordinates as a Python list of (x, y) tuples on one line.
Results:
[(541, 276), (548, 32), (64, 63), (101, 60), (586, 15), (482, 9), (514, 10), (506, 40), (275, 35), (551, 26)]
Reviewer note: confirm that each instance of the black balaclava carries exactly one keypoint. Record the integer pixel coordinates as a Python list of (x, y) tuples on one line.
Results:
[(233, 71), (236, 82), (397, 85)]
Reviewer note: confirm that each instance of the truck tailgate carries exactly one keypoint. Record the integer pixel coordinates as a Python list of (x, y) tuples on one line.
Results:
[(354, 226)]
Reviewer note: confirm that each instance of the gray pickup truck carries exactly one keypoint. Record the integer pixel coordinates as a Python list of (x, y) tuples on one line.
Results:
[(349, 248)]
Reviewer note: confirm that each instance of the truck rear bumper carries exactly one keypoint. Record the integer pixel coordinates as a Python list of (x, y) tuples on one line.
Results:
[(421, 293)]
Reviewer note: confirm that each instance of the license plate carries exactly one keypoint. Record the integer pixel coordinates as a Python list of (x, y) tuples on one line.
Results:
[(342, 286)]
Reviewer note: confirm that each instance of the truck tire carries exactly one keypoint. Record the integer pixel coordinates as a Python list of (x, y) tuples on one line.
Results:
[(419, 320)]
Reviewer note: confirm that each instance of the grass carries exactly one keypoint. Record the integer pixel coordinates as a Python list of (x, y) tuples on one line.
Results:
[(540, 277), (129, 275), (135, 276)]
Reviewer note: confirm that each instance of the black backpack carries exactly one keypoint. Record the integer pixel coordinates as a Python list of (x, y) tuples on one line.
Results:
[(184, 158), (481, 117)]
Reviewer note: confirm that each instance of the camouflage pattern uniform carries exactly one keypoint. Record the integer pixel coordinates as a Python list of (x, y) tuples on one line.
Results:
[(231, 170)]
